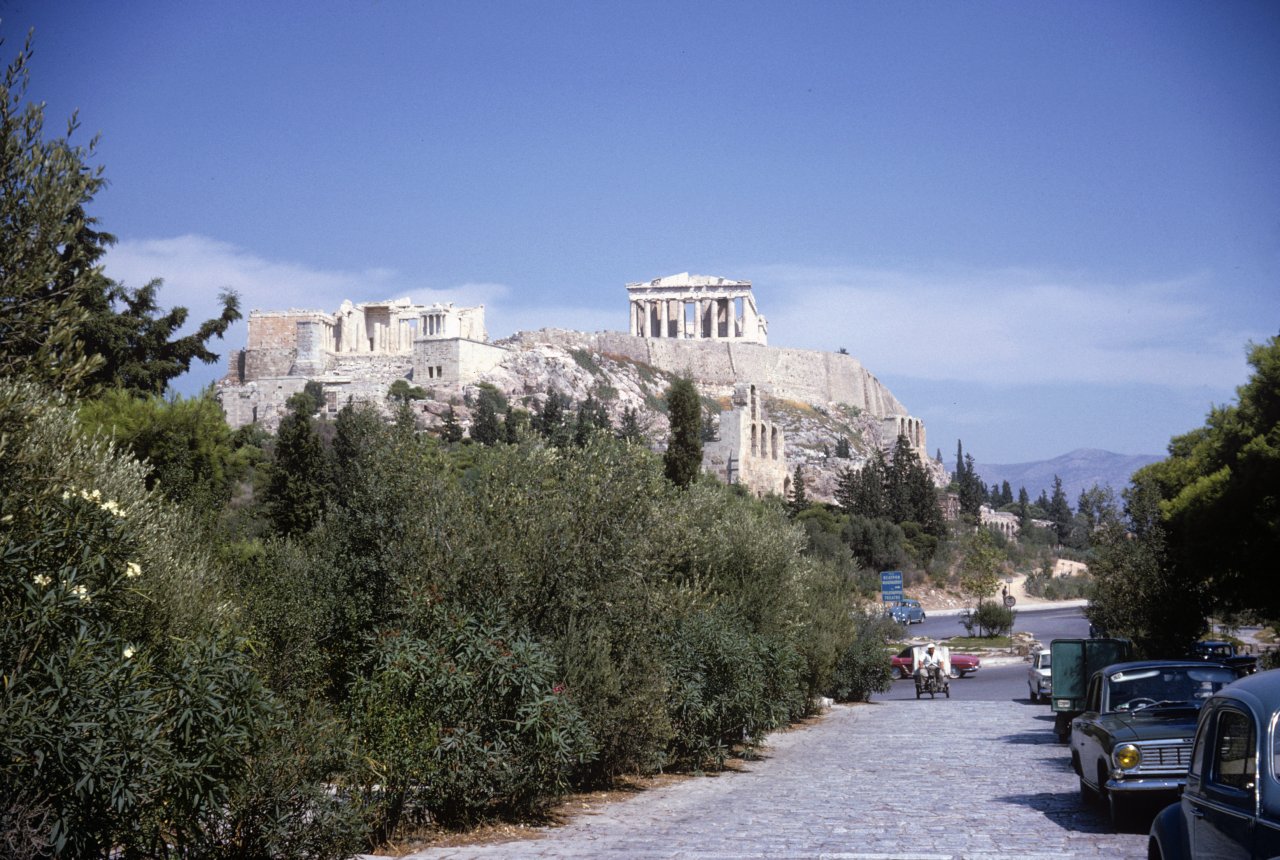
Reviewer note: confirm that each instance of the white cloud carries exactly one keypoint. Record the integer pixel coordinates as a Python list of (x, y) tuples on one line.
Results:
[(196, 268), (1005, 326)]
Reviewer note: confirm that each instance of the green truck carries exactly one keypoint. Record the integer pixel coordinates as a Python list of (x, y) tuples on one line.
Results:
[(1074, 662)]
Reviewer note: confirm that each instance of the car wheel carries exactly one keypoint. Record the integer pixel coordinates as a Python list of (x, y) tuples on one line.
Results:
[(1121, 809), (1032, 694), (1087, 794), (903, 673), (954, 673)]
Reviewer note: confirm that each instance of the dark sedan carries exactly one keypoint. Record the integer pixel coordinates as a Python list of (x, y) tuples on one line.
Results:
[(1134, 739), (1231, 805)]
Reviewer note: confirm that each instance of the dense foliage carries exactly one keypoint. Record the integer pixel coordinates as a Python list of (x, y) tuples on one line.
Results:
[(1201, 528)]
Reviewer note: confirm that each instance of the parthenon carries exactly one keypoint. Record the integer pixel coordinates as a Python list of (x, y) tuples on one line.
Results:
[(696, 307)]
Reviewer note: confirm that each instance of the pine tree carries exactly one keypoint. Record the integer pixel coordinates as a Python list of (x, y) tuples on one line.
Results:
[(842, 447), (485, 427), (64, 322), (1060, 511), (592, 417), (552, 421), (517, 426), (683, 459), (450, 430), (970, 489), (860, 492), (629, 428)]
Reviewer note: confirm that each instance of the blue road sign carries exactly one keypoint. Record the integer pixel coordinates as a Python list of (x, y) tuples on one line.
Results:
[(890, 585)]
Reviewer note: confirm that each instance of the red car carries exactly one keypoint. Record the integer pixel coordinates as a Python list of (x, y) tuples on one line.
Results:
[(961, 664)]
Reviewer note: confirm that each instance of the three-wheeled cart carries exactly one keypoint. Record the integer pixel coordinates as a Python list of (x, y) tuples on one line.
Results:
[(926, 683)]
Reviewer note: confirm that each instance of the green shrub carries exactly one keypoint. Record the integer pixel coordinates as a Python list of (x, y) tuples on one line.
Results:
[(989, 619), (864, 667), (726, 687), (130, 716), (1068, 587), (461, 719)]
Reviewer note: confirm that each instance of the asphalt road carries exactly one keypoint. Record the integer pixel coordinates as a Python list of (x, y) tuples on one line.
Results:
[(1045, 624), (997, 681)]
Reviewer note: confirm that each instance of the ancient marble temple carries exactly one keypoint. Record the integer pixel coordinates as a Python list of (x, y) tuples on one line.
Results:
[(696, 307)]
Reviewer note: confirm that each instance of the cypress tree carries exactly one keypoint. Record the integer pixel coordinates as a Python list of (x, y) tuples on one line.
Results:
[(684, 446), (799, 498), (296, 488)]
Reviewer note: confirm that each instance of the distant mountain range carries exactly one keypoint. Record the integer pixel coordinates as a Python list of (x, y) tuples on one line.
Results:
[(1079, 470)]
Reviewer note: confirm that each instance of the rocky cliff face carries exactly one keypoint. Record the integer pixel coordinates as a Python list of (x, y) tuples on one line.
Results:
[(817, 399), (626, 372)]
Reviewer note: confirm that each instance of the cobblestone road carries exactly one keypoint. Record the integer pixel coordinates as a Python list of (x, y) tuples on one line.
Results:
[(926, 780)]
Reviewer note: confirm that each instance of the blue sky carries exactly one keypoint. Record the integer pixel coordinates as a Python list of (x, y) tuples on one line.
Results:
[(1044, 225)]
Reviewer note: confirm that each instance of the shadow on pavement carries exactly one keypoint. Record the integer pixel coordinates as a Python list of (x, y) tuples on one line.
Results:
[(1065, 810)]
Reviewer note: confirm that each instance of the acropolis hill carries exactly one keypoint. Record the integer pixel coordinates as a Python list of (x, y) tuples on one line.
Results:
[(775, 407)]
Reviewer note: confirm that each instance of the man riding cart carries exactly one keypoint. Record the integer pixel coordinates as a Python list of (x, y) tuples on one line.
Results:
[(931, 666)]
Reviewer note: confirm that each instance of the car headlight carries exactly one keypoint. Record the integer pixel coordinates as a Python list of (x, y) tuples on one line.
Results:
[(1126, 756)]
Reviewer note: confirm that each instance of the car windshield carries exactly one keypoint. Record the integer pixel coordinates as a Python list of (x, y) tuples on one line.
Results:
[(1044, 661), (1165, 686)]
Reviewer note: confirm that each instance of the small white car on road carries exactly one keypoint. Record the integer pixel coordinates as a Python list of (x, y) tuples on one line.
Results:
[(1040, 676)]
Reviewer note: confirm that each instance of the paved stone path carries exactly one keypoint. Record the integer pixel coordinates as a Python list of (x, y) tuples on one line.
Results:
[(916, 780)]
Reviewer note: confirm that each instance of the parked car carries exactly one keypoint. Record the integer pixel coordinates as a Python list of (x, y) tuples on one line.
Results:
[(1040, 675), (1133, 740), (961, 664), (1231, 805), (907, 612), (1226, 653)]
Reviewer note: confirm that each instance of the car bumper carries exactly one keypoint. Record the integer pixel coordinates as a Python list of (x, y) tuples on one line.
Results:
[(1147, 784)]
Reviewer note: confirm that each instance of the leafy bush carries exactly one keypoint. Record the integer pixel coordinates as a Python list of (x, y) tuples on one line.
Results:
[(864, 667), (130, 715), (1068, 587), (726, 687), (461, 718), (989, 619)]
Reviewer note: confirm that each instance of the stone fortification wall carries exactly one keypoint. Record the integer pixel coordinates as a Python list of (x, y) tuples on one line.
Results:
[(791, 374), (265, 363)]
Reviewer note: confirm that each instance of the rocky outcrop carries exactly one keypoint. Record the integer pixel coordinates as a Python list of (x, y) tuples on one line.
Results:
[(816, 398)]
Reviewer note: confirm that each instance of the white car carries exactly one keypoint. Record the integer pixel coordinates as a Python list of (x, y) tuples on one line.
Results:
[(1040, 676)]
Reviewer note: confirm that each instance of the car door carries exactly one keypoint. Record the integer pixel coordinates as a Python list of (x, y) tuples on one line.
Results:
[(1224, 802), (1085, 734)]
